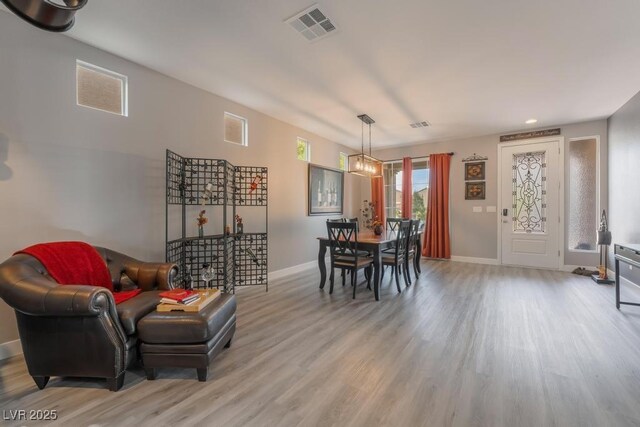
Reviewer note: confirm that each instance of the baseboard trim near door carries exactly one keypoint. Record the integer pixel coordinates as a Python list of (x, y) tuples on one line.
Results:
[(278, 274), (9, 349), (474, 260)]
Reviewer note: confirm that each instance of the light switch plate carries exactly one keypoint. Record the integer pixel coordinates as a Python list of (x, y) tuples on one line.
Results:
[(491, 209), (477, 209)]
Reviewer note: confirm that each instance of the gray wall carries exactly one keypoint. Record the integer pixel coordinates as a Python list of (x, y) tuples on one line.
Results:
[(68, 172), (476, 234), (624, 179)]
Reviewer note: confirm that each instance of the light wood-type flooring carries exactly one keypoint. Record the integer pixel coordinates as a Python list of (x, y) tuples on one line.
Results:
[(466, 345)]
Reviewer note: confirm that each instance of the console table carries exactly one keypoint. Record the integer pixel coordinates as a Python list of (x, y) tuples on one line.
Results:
[(629, 254)]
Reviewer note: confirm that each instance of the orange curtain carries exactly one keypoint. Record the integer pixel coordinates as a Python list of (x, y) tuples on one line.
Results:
[(437, 243), (377, 197), (407, 187)]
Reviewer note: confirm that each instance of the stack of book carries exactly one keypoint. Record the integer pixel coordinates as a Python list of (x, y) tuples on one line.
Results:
[(179, 297)]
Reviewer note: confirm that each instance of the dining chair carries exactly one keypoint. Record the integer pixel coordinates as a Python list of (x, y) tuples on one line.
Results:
[(398, 260), (394, 223), (344, 253)]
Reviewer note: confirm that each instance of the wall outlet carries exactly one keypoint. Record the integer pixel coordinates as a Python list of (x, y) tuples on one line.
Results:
[(491, 209), (477, 209)]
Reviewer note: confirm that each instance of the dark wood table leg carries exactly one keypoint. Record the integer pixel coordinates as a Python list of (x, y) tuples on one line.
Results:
[(617, 261), (377, 263), (323, 268)]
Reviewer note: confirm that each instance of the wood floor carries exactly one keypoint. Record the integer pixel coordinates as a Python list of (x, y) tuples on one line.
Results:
[(467, 345)]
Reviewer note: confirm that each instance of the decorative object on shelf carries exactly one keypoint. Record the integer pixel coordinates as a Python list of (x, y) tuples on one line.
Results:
[(529, 135), (474, 158), (50, 15), (474, 171), (474, 190), (207, 194), (223, 188), (604, 240), (326, 189), (365, 164), (201, 220), (254, 183), (207, 274), (239, 225)]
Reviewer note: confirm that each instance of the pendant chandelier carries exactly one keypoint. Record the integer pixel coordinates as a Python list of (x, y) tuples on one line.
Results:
[(365, 164), (49, 15)]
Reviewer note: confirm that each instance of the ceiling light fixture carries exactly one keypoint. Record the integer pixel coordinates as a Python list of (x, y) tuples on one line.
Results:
[(531, 121), (49, 15), (365, 164)]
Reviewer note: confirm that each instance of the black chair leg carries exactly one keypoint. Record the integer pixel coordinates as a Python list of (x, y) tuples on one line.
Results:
[(405, 273), (368, 270), (41, 382), (382, 272), (354, 281), (331, 284), (344, 276), (397, 276), (116, 383)]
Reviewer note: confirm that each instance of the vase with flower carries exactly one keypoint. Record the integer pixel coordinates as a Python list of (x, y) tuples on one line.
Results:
[(201, 221)]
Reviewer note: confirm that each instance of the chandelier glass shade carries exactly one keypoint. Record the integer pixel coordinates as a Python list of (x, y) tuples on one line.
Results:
[(365, 164)]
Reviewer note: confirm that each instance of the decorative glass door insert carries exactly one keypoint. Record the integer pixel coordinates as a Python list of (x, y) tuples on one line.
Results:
[(529, 190)]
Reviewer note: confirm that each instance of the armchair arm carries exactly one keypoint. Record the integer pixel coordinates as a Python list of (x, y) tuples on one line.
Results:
[(149, 276), (36, 297)]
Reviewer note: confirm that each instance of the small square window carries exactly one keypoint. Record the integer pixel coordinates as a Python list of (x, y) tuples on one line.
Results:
[(304, 150), (236, 129), (101, 89), (343, 162)]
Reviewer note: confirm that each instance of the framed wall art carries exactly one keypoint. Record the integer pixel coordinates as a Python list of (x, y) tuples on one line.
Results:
[(326, 191), (474, 190), (474, 171)]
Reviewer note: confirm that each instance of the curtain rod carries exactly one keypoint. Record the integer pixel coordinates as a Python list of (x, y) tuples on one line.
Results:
[(413, 158)]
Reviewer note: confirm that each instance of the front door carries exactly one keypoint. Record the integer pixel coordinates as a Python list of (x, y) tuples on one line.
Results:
[(530, 203)]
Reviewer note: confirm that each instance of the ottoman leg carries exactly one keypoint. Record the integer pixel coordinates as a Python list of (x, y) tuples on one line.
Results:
[(228, 344), (202, 374), (151, 373)]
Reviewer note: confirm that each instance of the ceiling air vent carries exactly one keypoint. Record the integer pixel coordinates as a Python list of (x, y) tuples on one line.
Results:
[(312, 23), (419, 125)]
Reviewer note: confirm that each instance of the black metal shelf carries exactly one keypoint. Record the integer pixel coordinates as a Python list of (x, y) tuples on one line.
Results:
[(237, 259)]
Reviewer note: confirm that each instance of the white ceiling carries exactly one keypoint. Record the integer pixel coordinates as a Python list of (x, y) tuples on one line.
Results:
[(468, 67)]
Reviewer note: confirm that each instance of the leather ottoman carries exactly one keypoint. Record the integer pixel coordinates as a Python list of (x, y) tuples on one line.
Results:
[(187, 340)]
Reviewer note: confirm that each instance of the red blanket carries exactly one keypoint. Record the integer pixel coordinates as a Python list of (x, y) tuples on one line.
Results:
[(75, 263)]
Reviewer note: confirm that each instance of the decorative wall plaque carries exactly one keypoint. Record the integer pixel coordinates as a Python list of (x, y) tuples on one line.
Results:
[(474, 190), (529, 135), (474, 171)]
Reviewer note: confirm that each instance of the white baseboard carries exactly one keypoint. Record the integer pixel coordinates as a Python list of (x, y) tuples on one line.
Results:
[(278, 274), (9, 349), (474, 260)]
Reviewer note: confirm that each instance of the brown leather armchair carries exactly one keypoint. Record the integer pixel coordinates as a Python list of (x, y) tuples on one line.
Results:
[(77, 330)]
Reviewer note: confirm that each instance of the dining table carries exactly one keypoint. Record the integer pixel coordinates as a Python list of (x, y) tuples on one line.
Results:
[(374, 244)]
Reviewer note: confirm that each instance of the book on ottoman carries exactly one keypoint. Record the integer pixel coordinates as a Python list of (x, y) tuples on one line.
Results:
[(195, 300)]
